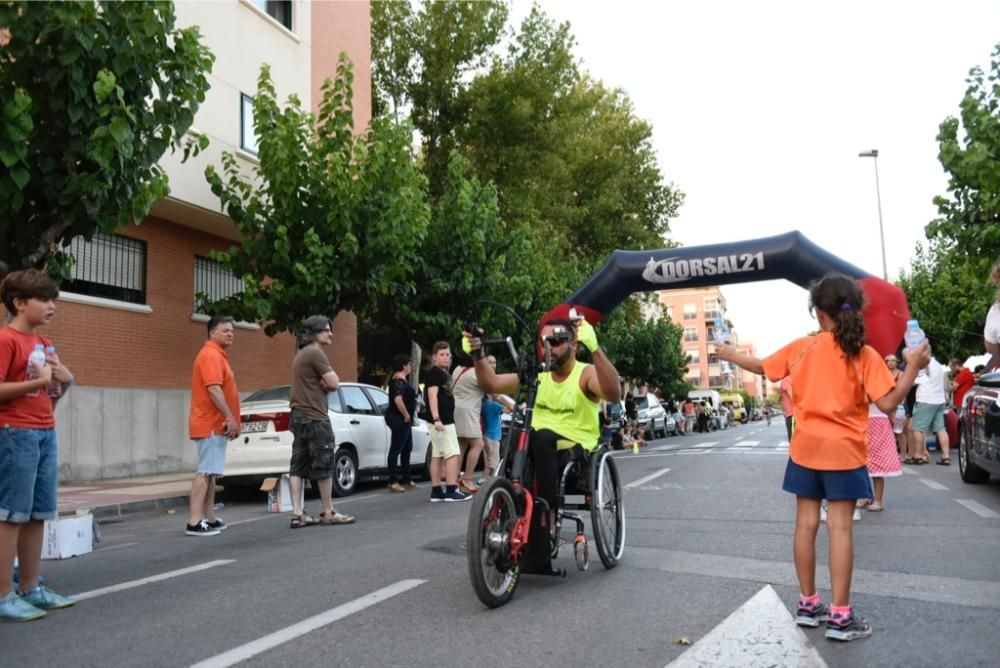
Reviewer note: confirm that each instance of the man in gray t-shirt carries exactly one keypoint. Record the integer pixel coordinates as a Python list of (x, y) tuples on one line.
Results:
[(313, 444)]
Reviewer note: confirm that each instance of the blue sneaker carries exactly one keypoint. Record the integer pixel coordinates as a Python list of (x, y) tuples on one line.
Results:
[(44, 598), (839, 627), (13, 608), (456, 494), (437, 495)]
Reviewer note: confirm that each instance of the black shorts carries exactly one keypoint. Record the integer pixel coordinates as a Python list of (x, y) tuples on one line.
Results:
[(313, 448)]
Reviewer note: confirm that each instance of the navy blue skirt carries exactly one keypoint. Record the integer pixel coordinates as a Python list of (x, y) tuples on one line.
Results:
[(832, 485)]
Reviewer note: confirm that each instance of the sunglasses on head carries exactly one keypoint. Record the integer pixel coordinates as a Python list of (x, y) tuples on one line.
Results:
[(559, 337)]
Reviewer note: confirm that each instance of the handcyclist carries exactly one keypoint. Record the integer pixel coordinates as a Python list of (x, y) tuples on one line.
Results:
[(568, 400)]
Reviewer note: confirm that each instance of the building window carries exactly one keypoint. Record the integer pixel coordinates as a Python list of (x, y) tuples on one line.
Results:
[(279, 10), (109, 266), (695, 355), (214, 282), (248, 138), (694, 379), (690, 333), (690, 311), (712, 309)]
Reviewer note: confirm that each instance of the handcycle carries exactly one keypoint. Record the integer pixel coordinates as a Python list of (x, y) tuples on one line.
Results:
[(507, 534)]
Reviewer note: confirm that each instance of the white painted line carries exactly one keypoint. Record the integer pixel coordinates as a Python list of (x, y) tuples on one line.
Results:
[(978, 508), (747, 443), (909, 471), (94, 593), (114, 547), (252, 649), (782, 444), (646, 479), (932, 484), (741, 448), (705, 445), (256, 519), (758, 633)]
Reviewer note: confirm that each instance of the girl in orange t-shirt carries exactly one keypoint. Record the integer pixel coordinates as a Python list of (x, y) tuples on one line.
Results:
[(835, 376)]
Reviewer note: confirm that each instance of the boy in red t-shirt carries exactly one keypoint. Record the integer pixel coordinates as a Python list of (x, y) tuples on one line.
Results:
[(29, 471), (835, 376)]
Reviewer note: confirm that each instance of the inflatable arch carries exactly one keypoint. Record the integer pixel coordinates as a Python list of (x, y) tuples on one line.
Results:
[(790, 256)]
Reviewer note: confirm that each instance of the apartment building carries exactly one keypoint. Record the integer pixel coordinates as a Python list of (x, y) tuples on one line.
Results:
[(128, 323), (749, 381), (702, 313)]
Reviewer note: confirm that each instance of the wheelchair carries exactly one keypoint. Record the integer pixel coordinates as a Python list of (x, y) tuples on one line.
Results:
[(508, 533)]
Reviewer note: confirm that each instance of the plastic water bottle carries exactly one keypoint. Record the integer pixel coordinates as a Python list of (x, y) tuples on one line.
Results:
[(37, 356), (914, 336), (55, 387)]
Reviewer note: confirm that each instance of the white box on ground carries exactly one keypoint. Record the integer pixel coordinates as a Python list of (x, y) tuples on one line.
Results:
[(68, 536), (279, 494)]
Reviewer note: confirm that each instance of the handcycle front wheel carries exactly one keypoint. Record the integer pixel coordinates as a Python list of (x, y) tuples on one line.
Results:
[(607, 510), (492, 517)]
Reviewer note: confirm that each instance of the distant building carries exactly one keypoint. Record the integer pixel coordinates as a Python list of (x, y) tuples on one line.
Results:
[(749, 381), (128, 323), (702, 314)]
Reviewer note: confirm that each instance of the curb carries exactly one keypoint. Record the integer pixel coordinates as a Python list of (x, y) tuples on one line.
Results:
[(119, 510)]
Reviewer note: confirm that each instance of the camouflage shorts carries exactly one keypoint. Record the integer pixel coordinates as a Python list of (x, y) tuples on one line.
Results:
[(313, 448)]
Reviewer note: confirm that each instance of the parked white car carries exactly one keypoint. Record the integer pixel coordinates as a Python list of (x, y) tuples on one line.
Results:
[(264, 449)]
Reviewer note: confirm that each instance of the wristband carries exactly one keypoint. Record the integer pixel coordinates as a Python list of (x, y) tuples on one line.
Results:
[(437, 419)]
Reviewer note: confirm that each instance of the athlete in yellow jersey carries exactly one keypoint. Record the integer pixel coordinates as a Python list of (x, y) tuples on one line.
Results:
[(568, 398)]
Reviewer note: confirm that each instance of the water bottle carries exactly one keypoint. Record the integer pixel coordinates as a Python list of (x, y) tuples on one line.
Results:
[(55, 387), (914, 336), (37, 356)]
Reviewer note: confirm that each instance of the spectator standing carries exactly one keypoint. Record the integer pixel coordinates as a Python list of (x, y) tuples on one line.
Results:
[(674, 408), (313, 443), (690, 417), (787, 407), (899, 418), (991, 330), (963, 382), (399, 418), (214, 420), (445, 453), (834, 374), (468, 423), (928, 413), (883, 460), (704, 417), (29, 470)]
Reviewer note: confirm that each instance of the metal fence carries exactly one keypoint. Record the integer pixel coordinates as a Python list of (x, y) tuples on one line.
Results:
[(213, 281)]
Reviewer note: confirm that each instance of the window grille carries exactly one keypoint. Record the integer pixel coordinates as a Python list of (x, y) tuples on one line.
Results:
[(109, 266), (214, 281)]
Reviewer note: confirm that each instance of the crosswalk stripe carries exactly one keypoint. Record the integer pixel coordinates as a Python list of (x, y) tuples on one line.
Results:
[(651, 476), (252, 649), (933, 484), (978, 508), (94, 593), (704, 445), (747, 443)]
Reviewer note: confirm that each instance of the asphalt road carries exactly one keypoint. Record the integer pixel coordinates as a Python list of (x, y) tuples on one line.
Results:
[(707, 561)]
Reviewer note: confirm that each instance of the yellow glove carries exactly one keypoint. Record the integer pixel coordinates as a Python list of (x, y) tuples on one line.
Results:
[(586, 335), (467, 343)]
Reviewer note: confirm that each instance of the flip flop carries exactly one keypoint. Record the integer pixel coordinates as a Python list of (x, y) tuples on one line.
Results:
[(875, 507), (863, 503), (303, 520), (944, 462)]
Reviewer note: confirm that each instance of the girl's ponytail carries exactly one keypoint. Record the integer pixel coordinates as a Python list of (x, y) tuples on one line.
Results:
[(841, 298)]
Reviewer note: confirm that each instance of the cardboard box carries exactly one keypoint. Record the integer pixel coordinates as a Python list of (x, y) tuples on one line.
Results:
[(68, 536), (279, 494)]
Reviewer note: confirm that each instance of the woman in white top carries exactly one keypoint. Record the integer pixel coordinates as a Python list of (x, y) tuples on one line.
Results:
[(991, 332)]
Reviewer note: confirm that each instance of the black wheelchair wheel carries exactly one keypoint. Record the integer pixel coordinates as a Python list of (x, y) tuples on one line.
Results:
[(493, 573), (607, 510)]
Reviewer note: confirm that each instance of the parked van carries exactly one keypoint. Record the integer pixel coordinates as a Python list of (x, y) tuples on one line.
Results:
[(734, 400), (711, 396)]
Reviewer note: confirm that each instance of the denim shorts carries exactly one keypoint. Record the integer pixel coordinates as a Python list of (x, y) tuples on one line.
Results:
[(831, 485), (212, 454), (29, 474)]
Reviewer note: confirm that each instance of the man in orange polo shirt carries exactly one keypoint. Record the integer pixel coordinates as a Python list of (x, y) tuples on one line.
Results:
[(214, 420)]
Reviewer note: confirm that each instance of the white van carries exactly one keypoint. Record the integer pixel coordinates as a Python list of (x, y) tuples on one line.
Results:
[(711, 396)]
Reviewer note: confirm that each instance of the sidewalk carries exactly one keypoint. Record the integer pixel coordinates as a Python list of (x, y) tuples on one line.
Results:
[(125, 496)]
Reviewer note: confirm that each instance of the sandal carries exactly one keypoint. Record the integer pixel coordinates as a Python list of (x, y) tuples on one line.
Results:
[(303, 520), (944, 461), (336, 518), (863, 503), (875, 507)]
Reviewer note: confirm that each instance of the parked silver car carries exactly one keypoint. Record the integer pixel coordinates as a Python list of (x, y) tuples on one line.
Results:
[(356, 410), (652, 416)]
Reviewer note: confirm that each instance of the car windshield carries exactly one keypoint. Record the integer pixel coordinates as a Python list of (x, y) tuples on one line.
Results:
[(270, 394), (642, 402)]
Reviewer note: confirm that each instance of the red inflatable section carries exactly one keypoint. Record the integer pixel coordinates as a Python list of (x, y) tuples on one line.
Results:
[(885, 314)]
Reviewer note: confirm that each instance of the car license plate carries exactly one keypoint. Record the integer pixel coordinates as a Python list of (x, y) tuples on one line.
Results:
[(255, 427)]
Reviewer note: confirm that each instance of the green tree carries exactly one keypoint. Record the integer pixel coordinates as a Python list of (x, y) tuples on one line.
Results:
[(329, 221), (645, 350), (950, 298), (93, 94), (970, 214)]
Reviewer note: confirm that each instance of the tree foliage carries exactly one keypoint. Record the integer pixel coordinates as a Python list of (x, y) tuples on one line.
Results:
[(93, 94), (970, 214), (329, 221), (950, 298), (646, 350)]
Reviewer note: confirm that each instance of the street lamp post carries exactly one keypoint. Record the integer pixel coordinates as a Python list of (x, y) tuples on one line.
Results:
[(873, 154)]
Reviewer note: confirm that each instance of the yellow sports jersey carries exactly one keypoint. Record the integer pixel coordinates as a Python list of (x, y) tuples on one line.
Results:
[(566, 410)]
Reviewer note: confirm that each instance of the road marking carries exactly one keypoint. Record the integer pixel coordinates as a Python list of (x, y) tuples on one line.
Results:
[(646, 479), (114, 547), (94, 593), (927, 588), (253, 519), (704, 445), (909, 471), (737, 443), (759, 633), (978, 508), (782, 444), (252, 649), (933, 484)]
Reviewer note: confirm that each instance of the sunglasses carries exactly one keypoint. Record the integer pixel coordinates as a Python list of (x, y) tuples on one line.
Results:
[(890, 359)]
